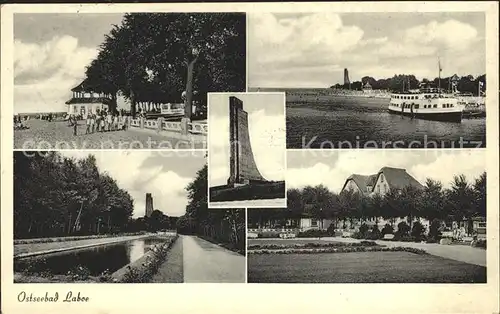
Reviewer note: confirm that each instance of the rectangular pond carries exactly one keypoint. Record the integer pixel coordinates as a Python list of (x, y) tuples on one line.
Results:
[(98, 259)]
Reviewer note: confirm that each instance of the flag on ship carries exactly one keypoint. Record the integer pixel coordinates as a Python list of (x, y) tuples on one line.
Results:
[(481, 84)]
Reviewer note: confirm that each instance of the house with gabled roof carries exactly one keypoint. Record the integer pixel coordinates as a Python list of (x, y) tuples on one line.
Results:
[(87, 100), (381, 183)]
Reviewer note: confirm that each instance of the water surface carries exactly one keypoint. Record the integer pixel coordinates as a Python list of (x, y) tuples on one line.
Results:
[(97, 259), (342, 122)]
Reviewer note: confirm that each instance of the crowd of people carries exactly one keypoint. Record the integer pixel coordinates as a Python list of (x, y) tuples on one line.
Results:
[(18, 122), (102, 121)]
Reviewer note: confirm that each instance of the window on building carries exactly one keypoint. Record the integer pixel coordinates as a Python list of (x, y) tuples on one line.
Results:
[(382, 178), (416, 106), (314, 223), (435, 106), (378, 189)]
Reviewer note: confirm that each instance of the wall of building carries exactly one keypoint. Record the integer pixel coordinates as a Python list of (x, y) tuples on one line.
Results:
[(76, 109), (381, 187), (351, 186)]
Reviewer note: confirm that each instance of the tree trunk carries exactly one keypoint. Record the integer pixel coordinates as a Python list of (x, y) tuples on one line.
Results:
[(132, 103), (189, 88), (114, 104), (235, 232)]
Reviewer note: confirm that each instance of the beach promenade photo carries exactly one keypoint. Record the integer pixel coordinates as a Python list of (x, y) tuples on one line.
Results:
[(122, 81)]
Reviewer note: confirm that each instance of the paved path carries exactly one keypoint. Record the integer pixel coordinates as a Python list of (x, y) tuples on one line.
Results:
[(207, 262), (462, 253), (58, 135)]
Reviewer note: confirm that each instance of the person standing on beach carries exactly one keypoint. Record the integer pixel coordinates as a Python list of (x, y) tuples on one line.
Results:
[(92, 123), (75, 126), (87, 123)]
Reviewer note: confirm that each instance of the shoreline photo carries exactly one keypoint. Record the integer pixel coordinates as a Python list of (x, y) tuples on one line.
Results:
[(122, 81), (363, 83)]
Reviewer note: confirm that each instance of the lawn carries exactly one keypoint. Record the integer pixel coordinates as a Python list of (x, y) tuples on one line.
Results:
[(362, 267)]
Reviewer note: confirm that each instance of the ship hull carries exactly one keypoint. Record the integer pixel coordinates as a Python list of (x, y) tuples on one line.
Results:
[(455, 116)]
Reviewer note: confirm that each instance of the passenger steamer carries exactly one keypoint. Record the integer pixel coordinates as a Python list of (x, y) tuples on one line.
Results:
[(427, 103)]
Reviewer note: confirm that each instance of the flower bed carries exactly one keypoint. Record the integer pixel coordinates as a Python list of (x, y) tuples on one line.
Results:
[(345, 249), (311, 245)]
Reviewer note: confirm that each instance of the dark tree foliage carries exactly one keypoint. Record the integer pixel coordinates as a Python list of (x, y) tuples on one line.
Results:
[(224, 226), (59, 196), (400, 82), (461, 201), (207, 48)]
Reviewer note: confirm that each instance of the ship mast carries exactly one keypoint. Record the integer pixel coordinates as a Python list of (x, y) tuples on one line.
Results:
[(439, 77)]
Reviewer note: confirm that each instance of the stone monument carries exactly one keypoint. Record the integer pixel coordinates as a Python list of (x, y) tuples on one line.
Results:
[(242, 167)]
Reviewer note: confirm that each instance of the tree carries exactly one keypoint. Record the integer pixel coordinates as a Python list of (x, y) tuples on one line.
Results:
[(480, 195), (154, 57), (461, 201), (57, 196), (432, 205), (226, 226)]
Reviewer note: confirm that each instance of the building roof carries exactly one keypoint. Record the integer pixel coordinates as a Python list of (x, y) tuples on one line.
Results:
[(89, 100), (367, 85), (398, 178), (85, 86), (360, 180)]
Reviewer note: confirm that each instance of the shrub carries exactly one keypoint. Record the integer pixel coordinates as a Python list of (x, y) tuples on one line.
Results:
[(434, 232), (79, 272), (417, 231), (374, 234), (268, 234), (479, 243), (363, 229), (388, 229), (313, 233), (331, 229), (358, 235), (403, 229)]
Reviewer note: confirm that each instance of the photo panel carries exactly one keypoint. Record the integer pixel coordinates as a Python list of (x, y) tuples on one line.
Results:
[(81, 217), (247, 150), (374, 216), (354, 80), (122, 80)]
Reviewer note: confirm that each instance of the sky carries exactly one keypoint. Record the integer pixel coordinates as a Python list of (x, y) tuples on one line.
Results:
[(312, 50), (266, 124), (51, 52), (332, 167), (164, 174)]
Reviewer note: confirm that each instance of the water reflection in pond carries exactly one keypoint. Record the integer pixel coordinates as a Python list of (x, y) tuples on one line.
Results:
[(97, 259)]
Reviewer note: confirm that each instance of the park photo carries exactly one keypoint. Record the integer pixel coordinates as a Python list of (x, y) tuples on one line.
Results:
[(122, 81), (370, 216), (80, 217)]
